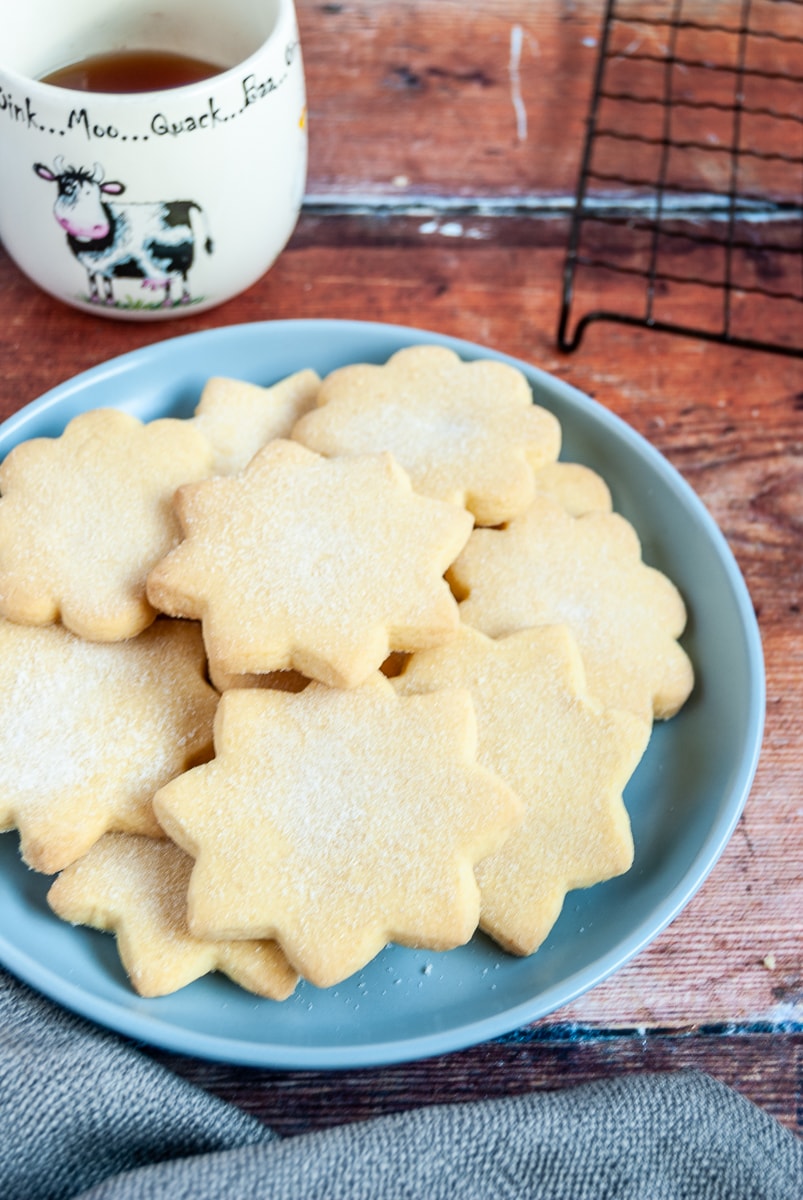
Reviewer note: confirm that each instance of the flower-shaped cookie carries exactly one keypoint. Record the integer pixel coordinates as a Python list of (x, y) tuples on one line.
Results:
[(136, 887), (238, 418), (336, 821), (466, 432), (548, 567), (567, 759), (89, 731), (323, 565), (83, 518)]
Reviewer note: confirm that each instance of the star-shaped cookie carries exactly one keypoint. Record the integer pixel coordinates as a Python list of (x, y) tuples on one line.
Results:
[(238, 418), (90, 730), (136, 887), (322, 565), (566, 758), (466, 432), (549, 567), (83, 518), (335, 822)]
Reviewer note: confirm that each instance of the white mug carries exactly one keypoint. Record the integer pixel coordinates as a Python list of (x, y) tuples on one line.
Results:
[(151, 205)]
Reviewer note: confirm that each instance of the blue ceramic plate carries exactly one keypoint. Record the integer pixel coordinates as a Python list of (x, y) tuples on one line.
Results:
[(684, 799)]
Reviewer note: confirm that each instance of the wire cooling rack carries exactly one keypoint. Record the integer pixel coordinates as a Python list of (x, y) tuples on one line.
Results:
[(689, 208)]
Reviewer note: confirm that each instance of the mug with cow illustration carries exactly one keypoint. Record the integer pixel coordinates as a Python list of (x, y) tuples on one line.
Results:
[(151, 204)]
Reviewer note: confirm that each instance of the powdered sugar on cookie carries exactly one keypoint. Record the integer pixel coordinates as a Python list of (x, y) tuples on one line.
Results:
[(83, 518), (466, 432), (90, 731), (322, 565), (337, 821)]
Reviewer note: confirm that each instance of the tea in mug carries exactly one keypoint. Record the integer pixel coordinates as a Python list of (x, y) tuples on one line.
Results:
[(129, 71)]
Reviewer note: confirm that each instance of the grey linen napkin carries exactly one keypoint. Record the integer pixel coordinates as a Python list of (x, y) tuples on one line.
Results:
[(84, 1114)]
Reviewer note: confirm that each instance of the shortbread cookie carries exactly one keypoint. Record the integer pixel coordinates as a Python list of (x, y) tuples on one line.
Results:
[(566, 758), (466, 432), (282, 681), (89, 731), (238, 418), (83, 518), (321, 565), (136, 887), (576, 487), (548, 567), (337, 821)]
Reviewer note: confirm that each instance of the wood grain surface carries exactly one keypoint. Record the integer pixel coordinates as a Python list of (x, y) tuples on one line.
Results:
[(445, 149)]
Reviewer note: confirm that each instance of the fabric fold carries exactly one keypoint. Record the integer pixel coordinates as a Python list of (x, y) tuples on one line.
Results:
[(79, 1105), (86, 1116)]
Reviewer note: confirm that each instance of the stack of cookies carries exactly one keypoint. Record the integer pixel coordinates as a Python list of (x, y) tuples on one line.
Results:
[(331, 664)]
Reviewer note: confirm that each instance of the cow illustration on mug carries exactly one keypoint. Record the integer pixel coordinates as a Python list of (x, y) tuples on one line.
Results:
[(154, 243)]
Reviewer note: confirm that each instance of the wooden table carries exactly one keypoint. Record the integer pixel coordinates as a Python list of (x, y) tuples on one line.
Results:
[(445, 144)]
